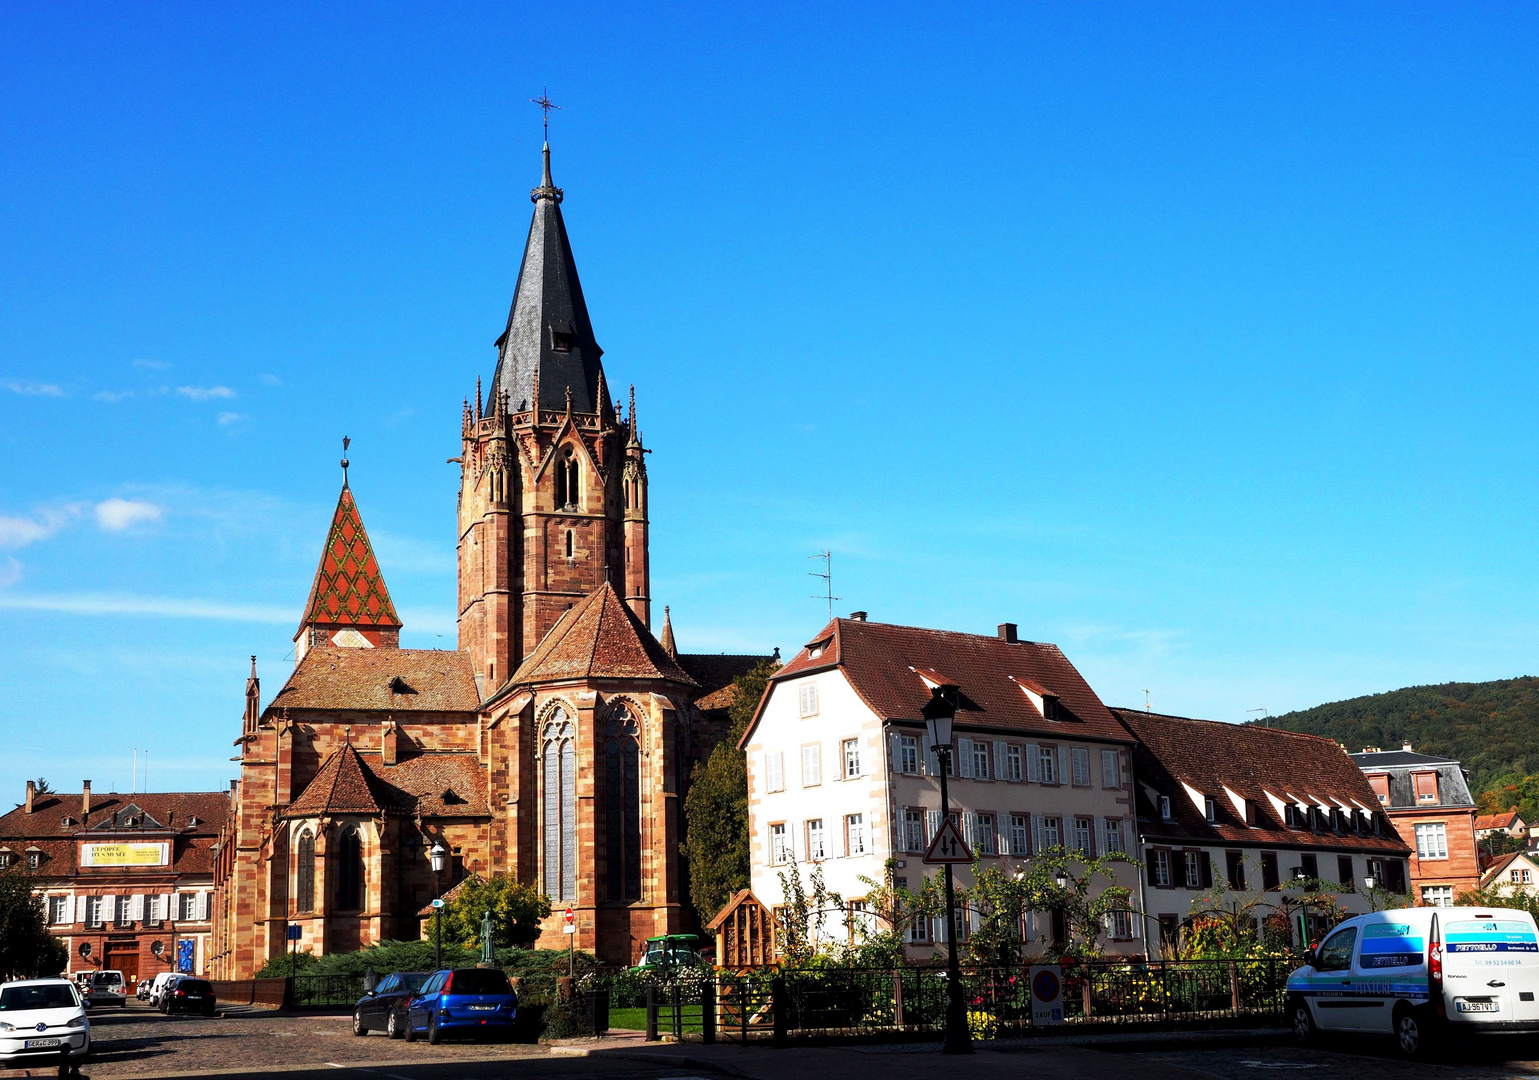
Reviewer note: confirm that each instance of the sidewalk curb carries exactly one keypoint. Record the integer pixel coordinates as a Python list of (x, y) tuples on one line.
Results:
[(651, 1058)]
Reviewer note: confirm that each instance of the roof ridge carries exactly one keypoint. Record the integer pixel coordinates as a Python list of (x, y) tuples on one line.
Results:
[(1237, 725)]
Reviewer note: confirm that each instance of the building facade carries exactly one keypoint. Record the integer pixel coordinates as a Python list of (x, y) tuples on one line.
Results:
[(839, 774), (126, 880), (1252, 810), (1427, 797), (554, 744)]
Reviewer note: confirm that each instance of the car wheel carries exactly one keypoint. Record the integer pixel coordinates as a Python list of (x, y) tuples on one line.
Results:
[(392, 1026), (435, 1033), (1412, 1038), (359, 1027), (410, 1034), (1303, 1023)]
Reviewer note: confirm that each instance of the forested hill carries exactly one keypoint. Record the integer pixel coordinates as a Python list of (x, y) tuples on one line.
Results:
[(1492, 727)]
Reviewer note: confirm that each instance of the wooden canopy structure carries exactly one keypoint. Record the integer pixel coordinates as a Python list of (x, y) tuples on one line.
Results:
[(745, 933)]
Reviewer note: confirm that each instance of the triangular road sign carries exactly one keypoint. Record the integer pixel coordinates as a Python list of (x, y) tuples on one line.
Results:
[(948, 845)]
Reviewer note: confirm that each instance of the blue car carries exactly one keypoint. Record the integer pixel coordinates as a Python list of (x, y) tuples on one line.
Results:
[(473, 1000)]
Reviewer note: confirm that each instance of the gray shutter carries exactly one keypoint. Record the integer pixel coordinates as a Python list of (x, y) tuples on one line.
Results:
[(965, 752), (1109, 770), (203, 899), (931, 825), (931, 762), (1100, 836), (970, 830), (835, 842), (1036, 834), (895, 752), (1033, 764), (1001, 757), (1063, 765)]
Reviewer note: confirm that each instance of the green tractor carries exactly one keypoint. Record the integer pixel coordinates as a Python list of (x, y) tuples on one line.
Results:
[(666, 951)]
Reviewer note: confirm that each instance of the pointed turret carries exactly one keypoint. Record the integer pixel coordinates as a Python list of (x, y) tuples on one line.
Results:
[(548, 344), (349, 604), (667, 639)]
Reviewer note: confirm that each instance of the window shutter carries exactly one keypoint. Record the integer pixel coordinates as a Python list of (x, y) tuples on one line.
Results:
[(109, 908), (1063, 765), (1100, 837), (964, 751), (931, 762), (970, 830), (69, 909), (165, 906), (1207, 871), (931, 826), (1149, 870), (1109, 777), (1036, 834), (895, 753), (835, 837), (1033, 763), (1000, 760), (136, 907), (1002, 844)]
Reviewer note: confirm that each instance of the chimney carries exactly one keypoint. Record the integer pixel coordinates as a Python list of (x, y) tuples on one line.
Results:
[(1406, 747), (232, 786), (857, 616), (1007, 632), (31, 794), (389, 743), (85, 799)]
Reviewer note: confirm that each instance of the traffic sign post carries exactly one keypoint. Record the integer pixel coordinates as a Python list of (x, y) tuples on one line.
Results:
[(569, 928), (948, 845)]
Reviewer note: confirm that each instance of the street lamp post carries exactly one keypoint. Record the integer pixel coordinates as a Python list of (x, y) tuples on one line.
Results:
[(938, 714), (438, 856)]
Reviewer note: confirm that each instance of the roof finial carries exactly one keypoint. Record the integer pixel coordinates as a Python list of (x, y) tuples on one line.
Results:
[(345, 442), (569, 401), (545, 105), (633, 410), (478, 397)]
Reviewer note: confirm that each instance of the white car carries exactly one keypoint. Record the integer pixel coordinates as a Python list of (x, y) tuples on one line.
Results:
[(166, 980), (107, 988), (1422, 974), (43, 1022)]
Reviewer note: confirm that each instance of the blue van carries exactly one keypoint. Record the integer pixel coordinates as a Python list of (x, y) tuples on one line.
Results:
[(1421, 974), (473, 1000)]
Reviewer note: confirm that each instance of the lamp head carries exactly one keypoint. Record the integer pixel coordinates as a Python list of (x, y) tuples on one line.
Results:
[(939, 712), (1368, 882), (439, 856), (1061, 880)]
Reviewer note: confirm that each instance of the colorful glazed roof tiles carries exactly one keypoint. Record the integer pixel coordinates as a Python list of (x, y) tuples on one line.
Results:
[(349, 589)]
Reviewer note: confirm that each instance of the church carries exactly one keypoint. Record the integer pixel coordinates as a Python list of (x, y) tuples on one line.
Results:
[(555, 744)]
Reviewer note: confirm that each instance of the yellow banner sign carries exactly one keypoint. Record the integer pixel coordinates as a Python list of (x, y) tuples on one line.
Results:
[(127, 853)]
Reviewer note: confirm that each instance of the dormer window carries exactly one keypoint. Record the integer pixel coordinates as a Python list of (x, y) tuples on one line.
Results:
[(1210, 810), (560, 340), (1426, 787), (1050, 709), (1165, 807), (1250, 813)]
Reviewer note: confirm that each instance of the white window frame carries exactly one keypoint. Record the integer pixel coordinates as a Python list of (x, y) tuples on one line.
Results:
[(1191, 867), (1013, 763), (855, 834), (780, 848), (1162, 877), (58, 908), (1437, 895), (983, 833), (1020, 835), (851, 756), (807, 699), (1084, 831), (1210, 810), (1431, 840), (1052, 831), (187, 907), (981, 769), (908, 754), (817, 840), (1079, 758), (152, 912), (124, 913), (1047, 764), (1113, 835), (1165, 810), (913, 829), (93, 910)]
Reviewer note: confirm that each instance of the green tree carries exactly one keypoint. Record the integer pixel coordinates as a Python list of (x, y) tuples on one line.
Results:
[(802, 932), (517, 909), (716, 808), (1500, 896), (27, 949), (891, 911), (43, 787), (1084, 906)]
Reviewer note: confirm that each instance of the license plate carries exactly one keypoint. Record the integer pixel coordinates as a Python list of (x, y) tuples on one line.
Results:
[(194, 997), (1477, 1006), (483, 1008), (35, 1044)]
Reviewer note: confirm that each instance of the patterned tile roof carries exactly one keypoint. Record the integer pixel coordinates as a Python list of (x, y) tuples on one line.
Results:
[(600, 638), (1174, 753), (884, 662), (349, 589), (430, 785), (390, 680), (191, 849), (715, 671)]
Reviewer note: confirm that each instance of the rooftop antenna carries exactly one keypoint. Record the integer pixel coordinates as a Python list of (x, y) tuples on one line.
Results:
[(828, 580), (1262, 710), (1148, 708), (345, 443), (545, 105)]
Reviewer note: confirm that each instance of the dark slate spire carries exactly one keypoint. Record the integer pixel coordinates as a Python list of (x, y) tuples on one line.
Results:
[(548, 345)]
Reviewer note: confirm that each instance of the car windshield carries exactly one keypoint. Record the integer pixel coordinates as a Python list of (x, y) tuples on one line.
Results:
[(412, 980), (480, 982), (654, 952), (194, 986), (41, 996)]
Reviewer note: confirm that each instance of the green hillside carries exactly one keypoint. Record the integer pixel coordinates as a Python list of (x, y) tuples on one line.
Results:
[(1492, 727)]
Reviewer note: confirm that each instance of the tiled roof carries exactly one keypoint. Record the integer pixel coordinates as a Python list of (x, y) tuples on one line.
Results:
[(599, 638), (1497, 821), (426, 910), (344, 785), (883, 662), (172, 809), (1383, 759), (429, 785), (430, 680), (713, 671), (1256, 763), (348, 590)]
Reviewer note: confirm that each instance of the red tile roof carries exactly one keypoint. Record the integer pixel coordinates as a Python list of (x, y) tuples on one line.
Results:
[(883, 663), (191, 848), (429, 785), (1498, 867), (1497, 821), (1253, 762), (344, 785), (599, 638), (349, 589), (430, 680)]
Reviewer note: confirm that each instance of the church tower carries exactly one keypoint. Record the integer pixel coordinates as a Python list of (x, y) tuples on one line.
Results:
[(553, 479)]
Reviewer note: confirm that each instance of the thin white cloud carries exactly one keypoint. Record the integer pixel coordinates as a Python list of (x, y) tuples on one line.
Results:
[(112, 397), (18, 532), (31, 389), (152, 365), (12, 572), (269, 379), (115, 515), (163, 606), (204, 393), (228, 418)]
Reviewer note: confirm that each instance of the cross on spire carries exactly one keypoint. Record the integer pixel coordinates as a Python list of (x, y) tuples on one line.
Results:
[(545, 105)]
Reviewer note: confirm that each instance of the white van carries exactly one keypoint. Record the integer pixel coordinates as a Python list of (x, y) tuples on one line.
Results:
[(107, 988), (1420, 974), (166, 980)]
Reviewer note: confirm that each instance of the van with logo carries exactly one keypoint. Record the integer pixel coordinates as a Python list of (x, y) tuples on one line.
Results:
[(1421, 975)]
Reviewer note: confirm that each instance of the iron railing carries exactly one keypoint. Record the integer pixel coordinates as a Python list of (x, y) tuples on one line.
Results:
[(324, 991)]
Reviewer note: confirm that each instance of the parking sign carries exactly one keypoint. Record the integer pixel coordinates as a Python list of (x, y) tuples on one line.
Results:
[(1046, 994)]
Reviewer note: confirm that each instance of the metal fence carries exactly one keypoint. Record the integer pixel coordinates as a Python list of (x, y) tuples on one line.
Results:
[(910, 1002), (324, 991)]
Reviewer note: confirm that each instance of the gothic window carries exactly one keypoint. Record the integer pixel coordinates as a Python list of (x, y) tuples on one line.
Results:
[(567, 490), (306, 870), (569, 543), (350, 870), (559, 763), (622, 806)]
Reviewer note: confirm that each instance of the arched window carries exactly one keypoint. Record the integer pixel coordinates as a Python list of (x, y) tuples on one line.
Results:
[(306, 871), (569, 543), (622, 806), (567, 491), (559, 761), (350, 870)]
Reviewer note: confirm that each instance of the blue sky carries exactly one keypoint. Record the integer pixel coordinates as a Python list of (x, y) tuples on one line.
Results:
[(1198, 339)]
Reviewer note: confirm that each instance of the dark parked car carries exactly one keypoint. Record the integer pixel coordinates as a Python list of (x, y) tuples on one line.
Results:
[(386, 1006), (471, 1000), (188, 995)]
